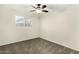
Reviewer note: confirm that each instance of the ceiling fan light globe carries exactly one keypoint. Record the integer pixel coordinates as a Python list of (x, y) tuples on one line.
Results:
[(38, 11)]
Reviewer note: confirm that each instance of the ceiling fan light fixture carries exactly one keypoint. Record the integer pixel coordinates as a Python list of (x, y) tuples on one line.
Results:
[(38, 11)]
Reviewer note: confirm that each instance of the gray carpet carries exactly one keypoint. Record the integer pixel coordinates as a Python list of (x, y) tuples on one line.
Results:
[(35, 46)]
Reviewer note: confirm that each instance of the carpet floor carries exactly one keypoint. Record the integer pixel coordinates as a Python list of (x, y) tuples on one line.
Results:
[(35, 46)]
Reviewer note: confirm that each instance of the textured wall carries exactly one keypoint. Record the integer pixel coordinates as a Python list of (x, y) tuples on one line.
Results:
[(9, 33), (62, 26)]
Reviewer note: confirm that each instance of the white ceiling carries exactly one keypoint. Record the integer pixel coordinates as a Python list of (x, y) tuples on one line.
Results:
[(25, 8), (28, 7)]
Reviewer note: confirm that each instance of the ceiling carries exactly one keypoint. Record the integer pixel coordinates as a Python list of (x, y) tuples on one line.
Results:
[(28, 7), (25, 8)]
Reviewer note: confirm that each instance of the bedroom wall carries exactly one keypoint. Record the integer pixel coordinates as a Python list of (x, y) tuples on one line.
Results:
[(9, 33), (62, 27)]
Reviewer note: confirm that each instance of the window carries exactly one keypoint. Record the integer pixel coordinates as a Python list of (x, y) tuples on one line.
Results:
[(22, 22)]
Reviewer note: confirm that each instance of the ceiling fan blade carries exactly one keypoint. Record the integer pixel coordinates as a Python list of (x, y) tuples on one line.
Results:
[(34, 7), (45, 10), (44, 6), (32, 10)]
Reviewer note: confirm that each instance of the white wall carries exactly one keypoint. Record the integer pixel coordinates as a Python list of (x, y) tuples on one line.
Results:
[(9, 33), (62, 27)]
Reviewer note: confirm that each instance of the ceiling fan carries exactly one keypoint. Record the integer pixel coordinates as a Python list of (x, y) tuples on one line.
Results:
[(39, 8)]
